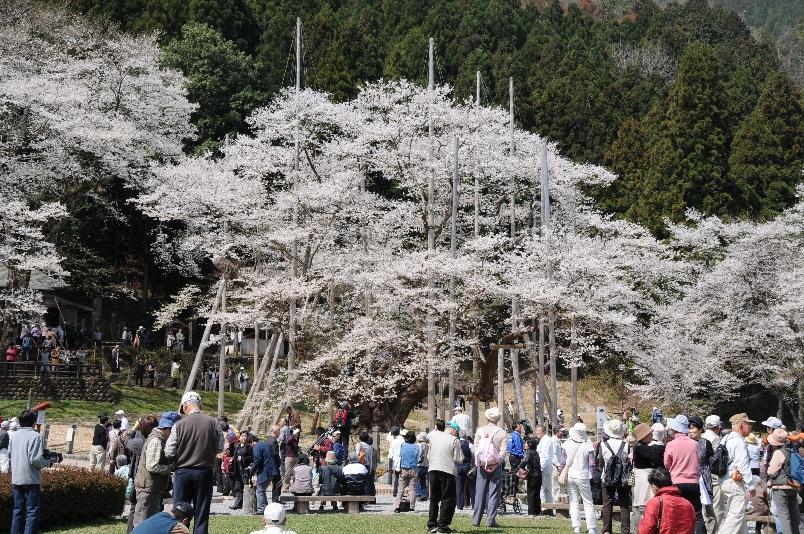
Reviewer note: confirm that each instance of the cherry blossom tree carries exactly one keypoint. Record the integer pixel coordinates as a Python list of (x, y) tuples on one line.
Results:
[(82, 107)]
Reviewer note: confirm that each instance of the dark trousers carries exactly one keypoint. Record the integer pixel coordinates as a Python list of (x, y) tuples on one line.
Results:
[(25, 518), (442, 499), (237, 491), (692, 492), (370, 484), (421, 485), (276, 488), (195, 486), (463, 482), (624, 501), (534, 496), (139, 378)]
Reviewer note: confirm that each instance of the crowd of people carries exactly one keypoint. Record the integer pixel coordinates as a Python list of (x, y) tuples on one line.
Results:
[(678, 475)]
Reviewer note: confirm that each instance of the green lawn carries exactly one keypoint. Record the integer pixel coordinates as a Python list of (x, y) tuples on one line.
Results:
[(329, 523), (133, 400)]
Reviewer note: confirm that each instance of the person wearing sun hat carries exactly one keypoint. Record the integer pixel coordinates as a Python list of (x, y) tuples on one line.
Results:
[(738, 483), (646, 458), (489, 476), (153, 474), (614, 446), (785, 496), (681, 457), (578, 457)]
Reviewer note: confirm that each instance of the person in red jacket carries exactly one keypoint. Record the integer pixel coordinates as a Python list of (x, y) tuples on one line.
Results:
[(667, 511)]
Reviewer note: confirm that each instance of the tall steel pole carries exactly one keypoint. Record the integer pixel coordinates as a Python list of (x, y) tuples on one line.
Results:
[(453, 254)]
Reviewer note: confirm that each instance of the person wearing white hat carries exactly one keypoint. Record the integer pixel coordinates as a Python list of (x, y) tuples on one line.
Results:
[(193, 445), (274, 519), (578, 456), (4, 439), (713, 514), (121, 415), (738, 483), (462, 419), (615, 446), (490, 449)]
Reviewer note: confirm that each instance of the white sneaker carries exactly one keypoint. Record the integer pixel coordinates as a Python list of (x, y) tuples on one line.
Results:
[(594, 531), (577, 530)]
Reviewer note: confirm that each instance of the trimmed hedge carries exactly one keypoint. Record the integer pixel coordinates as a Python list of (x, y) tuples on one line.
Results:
[(69, 495)]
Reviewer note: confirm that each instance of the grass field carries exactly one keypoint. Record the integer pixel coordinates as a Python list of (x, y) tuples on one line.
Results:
[(133, 400), (347, 524)]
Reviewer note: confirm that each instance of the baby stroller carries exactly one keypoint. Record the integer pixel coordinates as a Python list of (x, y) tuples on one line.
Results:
[(508, 490)]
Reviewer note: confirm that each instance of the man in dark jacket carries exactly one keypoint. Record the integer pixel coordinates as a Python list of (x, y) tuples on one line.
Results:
[(331, 479), (265, 466), (272, 440), (100, 440)]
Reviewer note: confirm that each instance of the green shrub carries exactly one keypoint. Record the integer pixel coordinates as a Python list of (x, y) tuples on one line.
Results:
[(69, 495)]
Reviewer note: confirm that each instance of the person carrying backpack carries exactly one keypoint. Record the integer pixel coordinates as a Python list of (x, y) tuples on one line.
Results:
[(783, 481), (616, 472), (490, 449)]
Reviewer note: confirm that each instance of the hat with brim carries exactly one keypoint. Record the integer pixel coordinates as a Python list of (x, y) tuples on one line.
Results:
[(168, 419), (778, 438), (641, 431), (614, 428), (457, 409), (493, 415), (578, 433), (331, 458), (751, 438), (679, 423), (740, 418), (455, 426), (773, 422), (697, 422)]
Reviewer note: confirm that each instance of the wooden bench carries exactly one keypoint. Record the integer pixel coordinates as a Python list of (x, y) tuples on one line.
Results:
[(562, 510), (301, 506)]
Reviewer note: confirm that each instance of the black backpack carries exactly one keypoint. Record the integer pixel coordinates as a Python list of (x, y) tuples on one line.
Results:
[(617, 472), (719, 462), (355, 484)]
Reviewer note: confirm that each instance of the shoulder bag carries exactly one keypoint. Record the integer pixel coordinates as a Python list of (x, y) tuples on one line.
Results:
[(562, 476)]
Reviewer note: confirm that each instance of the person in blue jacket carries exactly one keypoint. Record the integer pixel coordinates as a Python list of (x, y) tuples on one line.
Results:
[(516, 449), (264, 466)]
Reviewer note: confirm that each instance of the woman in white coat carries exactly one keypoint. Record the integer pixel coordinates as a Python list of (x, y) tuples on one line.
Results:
[(578, 457)]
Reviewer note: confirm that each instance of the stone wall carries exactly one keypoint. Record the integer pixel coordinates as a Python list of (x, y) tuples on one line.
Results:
[(57, 388)]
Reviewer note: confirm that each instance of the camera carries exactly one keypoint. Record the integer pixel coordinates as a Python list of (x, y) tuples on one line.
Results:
[(50, 458)]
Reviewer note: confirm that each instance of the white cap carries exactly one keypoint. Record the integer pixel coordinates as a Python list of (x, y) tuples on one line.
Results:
[(191, 397), (713, 421), (274, 513), (120, 412), (773, 422), (493, 415)]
